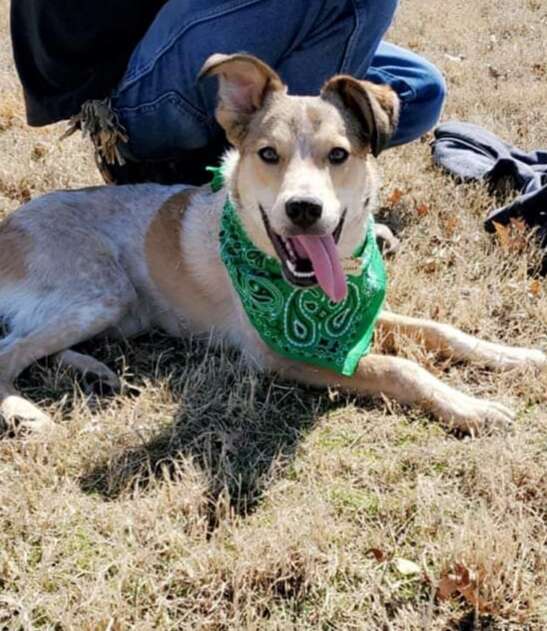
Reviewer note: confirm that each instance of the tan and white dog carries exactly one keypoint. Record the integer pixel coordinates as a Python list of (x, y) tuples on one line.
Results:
[(118, 260)]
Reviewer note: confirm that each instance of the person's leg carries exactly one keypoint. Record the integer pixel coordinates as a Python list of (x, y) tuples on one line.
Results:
[(168, 115), (419, 84)]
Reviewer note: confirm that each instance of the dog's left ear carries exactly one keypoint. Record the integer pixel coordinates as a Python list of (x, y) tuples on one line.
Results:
[(375, 106), (244, 83)]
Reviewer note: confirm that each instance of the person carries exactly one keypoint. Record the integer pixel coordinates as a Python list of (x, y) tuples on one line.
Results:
[(126, 70)]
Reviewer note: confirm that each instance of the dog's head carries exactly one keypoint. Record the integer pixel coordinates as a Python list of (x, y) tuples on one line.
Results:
[(303, 181)]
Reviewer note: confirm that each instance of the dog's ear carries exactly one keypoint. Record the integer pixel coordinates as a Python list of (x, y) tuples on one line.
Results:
[(375, 106), (244, 83)]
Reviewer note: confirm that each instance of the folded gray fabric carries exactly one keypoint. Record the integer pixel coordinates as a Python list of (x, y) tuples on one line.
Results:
[(472, 153)]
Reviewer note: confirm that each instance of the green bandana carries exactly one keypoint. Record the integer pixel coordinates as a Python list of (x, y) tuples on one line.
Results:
[(303, 324)]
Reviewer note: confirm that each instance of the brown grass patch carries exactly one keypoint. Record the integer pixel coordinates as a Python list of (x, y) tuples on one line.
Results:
[(11, 112)]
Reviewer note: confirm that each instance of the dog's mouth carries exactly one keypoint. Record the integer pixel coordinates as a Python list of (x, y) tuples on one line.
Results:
[(309, 260)]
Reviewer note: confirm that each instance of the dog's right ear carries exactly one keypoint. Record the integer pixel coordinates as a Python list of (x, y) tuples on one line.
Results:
[(244, 83), (376, 108)]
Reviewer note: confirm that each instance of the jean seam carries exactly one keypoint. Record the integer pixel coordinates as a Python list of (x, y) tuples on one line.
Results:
[(174, 97), (353, 38), (137, 75)]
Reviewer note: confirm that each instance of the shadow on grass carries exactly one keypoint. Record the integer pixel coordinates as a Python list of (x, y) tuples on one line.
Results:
[(234, 424), (470, 621)]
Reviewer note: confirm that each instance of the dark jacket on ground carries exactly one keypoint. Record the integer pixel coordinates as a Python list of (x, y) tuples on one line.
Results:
[(69, 51), (472, 153)]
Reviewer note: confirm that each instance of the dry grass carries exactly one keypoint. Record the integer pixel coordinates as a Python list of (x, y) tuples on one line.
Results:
[(205, 496)]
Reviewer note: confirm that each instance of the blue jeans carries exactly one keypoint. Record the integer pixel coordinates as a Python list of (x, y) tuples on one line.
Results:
[(166, 112)]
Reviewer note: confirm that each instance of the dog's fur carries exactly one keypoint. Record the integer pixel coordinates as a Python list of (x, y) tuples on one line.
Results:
[(118, 260)]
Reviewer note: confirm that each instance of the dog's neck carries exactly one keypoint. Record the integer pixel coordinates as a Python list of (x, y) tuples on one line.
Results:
[(230, 161)]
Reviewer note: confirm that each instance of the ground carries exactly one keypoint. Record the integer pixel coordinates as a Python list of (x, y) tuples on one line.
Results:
[(204, 496)]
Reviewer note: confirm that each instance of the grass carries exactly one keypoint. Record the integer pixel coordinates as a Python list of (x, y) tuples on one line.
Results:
[(206, 496)]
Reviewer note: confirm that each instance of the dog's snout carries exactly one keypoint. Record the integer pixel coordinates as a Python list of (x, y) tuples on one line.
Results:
[(303, 212)]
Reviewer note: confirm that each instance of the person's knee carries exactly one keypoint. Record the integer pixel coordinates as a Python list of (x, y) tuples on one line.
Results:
[(433, 97), (434, 88), (422, 104)]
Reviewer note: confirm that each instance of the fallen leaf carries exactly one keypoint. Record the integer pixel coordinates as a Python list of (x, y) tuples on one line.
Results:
[(502, 233), (513, 238), (430, 265), (406, 567), (422, 210), (535, 287), (38, 152), (395, 197), (463, 582), (518, 224), (447, 587), (450, 225), (378, 554), (539, 70)]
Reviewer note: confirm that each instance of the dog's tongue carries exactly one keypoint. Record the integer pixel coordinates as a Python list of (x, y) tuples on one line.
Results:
[(326, 265)]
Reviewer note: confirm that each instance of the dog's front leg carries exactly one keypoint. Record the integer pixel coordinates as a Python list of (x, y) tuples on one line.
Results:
[(408, 383), (457, 345), (18, 412)]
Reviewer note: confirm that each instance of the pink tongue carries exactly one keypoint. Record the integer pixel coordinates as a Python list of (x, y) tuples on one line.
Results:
[(326, 265)]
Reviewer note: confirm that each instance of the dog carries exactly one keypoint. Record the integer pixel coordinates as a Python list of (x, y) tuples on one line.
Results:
[(118, 260)]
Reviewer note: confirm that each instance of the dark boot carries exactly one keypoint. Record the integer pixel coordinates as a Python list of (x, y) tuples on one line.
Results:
[(187, 168)]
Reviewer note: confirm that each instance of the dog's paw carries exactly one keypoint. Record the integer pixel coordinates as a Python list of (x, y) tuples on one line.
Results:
[(103, 384), (536, 358), (387, 241), (20, 414), (97, 377), (476, 416), (510, 357)]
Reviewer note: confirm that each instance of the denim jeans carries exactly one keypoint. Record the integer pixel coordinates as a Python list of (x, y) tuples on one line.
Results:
[(166, 111)]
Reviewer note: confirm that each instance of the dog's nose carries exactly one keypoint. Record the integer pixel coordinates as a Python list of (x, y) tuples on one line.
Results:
[(303, 212)]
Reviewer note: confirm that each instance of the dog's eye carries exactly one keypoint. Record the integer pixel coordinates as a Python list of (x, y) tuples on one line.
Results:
[(338, 155), (269, 155)]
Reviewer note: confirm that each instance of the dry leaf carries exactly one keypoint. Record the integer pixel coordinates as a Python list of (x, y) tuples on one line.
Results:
[(518, 224), (395, 197), (462, 582), (406, 567), (512, 238), (539, 70), (502, 233), (450, 225), (430, 265), (535, 287), (422, 210), (379, 555), (447, 587)]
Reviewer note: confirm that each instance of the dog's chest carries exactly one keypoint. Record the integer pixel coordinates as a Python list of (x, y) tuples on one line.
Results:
[(190, 289)]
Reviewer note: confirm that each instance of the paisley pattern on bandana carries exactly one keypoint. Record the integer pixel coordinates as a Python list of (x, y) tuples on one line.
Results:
[(303, 324)]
